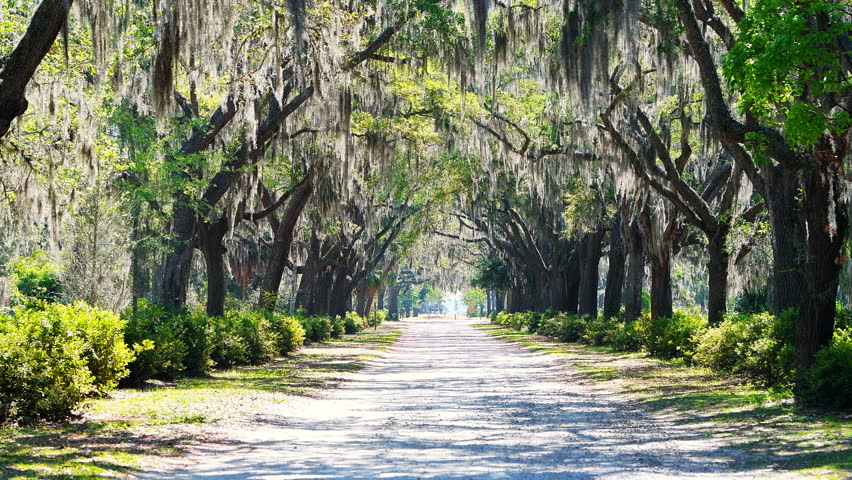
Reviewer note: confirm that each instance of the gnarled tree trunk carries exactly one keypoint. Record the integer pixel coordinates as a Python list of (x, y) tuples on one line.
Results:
[(280, 251), (21, 65)]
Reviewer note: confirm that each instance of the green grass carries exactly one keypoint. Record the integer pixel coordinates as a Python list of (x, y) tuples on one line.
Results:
[(120, 435), (766, 424)]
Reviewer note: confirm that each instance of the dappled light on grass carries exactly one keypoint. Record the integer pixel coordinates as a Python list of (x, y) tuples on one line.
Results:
[(126, 433)]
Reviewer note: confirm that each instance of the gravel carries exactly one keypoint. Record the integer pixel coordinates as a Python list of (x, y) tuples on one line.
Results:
[(451, 402)]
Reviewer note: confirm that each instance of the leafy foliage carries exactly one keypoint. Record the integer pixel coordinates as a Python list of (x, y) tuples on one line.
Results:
[(829, 380), (53, 356), (36, 278), (787, 64)]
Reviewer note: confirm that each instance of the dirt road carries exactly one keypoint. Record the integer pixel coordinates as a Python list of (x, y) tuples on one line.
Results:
[(451, 402)]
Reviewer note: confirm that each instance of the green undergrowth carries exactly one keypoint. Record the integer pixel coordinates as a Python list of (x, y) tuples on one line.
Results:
[(122, 434), (767, 424)]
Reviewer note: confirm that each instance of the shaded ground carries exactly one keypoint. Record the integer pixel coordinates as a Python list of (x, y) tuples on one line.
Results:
[(771, 430), (136, 431), (451, 402)]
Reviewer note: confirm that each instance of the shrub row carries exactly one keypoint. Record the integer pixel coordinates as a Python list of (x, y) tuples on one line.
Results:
[(757, 347), (170, 344), (53, 356)]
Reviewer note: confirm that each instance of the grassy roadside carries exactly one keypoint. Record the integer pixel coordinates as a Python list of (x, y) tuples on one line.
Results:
[(123, 434), (766, 425)]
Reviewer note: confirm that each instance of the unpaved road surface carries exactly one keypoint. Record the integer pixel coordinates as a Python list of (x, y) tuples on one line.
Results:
[(451, 402)]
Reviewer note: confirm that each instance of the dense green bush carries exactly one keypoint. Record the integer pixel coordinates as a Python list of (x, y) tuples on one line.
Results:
[(43, 372), (338, 327), (625, 337), (829, 380), (571, 327), (36, 278), (674, 337), (598, 331), (242, 338), (52, 356), (376, 318), (354, 323), (751, 301), (188, 342), (317, 327), (102, 333), (758, 347), (549, 326), (290, 335), (195, 331), (159, 335), (523, 321)]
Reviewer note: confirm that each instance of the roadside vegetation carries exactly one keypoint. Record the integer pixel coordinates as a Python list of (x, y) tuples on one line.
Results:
[(726, 382), (134, 429)]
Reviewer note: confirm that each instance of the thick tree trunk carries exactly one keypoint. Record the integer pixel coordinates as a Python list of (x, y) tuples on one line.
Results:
[(788, 238), (340, 295), (368, 308), (635, 271), (306, 294), (822, 267), (361, 302), (558, 289), (590, 248), (500, 300), (615, 273), (572, 282), (489, 296), (210, 242), (393, 302), (717, 270), (380, 300), (21, 64), (175, 281), (661, 282), (280, 251)]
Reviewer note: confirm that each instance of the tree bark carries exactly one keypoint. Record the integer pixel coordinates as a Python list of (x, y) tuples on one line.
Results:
[(661, 283), (175, 281), (361, 299), (210, 243), (572, 282), (615, 273), (49, 18), (717, 270), (788, 238), (822, 266), (500, 300), (635, 271), (393, 302), (590, 248), (280, 251)]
